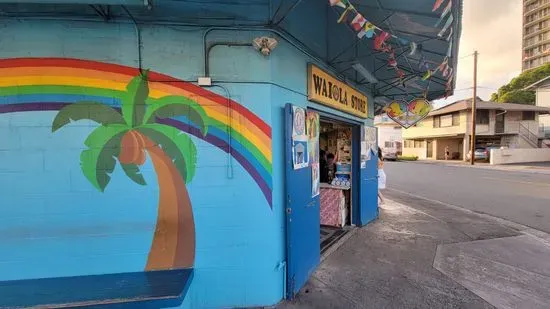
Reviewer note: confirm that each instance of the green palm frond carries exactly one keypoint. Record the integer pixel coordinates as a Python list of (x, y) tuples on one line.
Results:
[(133, 101), (174, 106), (133, 172), (94, 111), (177, 145), (98, 161)]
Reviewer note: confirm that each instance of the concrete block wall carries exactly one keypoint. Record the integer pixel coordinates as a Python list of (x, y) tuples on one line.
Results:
[(54, 223), (510, 156)]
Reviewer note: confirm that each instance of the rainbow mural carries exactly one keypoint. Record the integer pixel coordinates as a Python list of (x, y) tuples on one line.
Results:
[(49, 84)]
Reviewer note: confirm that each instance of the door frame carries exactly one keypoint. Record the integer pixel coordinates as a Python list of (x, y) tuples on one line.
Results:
[(430, 148), (301, 213), (355, 127)]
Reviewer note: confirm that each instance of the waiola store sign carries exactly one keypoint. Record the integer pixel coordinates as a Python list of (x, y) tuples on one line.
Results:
[(325, 89)]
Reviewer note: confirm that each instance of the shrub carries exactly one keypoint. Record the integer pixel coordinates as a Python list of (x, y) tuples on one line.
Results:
[(407, 158)]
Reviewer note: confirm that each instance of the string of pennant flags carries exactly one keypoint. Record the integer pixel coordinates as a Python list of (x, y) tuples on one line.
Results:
[(382, 38)]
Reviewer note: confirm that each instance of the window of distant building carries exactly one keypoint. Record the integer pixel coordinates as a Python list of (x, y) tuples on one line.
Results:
[(436, 122), (448, 120), (456, 119), (528, 115), (482, 116), (414, 144)]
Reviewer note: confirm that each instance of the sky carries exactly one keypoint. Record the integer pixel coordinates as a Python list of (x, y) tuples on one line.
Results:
[(493, 28)]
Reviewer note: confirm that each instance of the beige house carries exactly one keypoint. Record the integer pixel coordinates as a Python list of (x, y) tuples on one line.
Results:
[(497, 124), (542, 92)]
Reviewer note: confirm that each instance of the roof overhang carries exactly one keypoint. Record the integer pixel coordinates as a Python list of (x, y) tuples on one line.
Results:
[(337, 45), (411, 24)]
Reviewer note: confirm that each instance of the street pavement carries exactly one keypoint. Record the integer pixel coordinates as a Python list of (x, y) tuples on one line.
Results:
[(521, 197), (435, 253), (433, 256)]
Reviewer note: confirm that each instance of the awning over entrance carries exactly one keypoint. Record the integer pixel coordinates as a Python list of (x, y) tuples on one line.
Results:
[(421, 40), (421, 35)]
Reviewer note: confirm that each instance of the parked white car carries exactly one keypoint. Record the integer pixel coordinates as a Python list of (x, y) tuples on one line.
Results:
[(389, 154)]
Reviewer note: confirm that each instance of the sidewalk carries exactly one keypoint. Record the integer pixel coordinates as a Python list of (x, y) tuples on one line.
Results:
[(433, 256), (534, 168)]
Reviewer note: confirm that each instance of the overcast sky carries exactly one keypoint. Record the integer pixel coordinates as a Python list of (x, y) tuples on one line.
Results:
[(493, 28)]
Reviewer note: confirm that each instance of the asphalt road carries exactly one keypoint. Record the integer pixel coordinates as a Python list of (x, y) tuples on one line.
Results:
[(516, 196)]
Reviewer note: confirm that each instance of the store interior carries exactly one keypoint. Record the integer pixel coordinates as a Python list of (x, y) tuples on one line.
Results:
[(335, 144)]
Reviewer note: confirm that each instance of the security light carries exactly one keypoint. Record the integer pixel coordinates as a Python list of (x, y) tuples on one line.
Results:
[(264, 45)]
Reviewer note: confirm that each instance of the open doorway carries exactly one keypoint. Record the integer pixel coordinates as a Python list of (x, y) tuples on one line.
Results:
[(336, 188)]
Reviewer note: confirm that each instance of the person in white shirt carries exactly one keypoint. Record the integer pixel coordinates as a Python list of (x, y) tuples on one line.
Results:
[(381, 176)]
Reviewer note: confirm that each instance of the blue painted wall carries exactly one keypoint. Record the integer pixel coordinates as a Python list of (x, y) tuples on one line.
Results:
[(54, 223)]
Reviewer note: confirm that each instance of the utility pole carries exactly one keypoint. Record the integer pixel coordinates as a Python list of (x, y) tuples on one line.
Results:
[(473, 136)]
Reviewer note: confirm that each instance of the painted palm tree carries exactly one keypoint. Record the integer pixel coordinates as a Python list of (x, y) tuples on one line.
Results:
[(127, 136)]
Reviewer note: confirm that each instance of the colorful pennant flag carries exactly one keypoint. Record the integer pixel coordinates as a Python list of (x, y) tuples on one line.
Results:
[(358, 22), (422, 62), (380, 41), (450, 35), (450, 49), (443, 66), (447, 25), (414, 46), (391, 60), (368, 30), (345, 14), (427, 75), (341, 3), (446, 11), (449, 85), (437, 4), (448, 72)]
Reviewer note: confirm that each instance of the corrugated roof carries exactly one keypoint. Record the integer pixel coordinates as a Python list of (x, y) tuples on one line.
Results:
[(480, 104)]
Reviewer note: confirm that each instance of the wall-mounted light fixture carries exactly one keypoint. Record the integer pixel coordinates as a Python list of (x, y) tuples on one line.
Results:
[(264, 45)]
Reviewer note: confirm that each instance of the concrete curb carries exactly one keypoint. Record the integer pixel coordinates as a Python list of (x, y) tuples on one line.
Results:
[(486, 167)]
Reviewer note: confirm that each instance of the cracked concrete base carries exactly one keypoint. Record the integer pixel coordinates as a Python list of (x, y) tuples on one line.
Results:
[(512, 272), (433, 256)]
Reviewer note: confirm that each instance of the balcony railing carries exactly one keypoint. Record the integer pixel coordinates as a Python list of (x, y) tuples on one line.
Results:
[(526, 133)]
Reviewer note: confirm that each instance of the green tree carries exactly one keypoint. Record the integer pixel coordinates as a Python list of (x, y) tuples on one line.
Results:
[(126, 136), (513, 93)]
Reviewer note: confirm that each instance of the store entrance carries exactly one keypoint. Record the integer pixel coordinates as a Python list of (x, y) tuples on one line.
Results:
[(336, 185)]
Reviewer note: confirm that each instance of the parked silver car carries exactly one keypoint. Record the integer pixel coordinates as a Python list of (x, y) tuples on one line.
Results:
[(389, 154), (483, 153)]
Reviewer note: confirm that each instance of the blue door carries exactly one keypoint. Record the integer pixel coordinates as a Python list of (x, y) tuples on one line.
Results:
[(368, 195), (302, 218)]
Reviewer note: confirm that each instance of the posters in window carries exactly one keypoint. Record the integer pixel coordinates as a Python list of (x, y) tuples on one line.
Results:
[(312, 127), (365, 153), (368, 145), (370, 139), (300, 153)]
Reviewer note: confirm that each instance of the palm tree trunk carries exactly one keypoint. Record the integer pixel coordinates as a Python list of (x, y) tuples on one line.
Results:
[(174, 240)]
